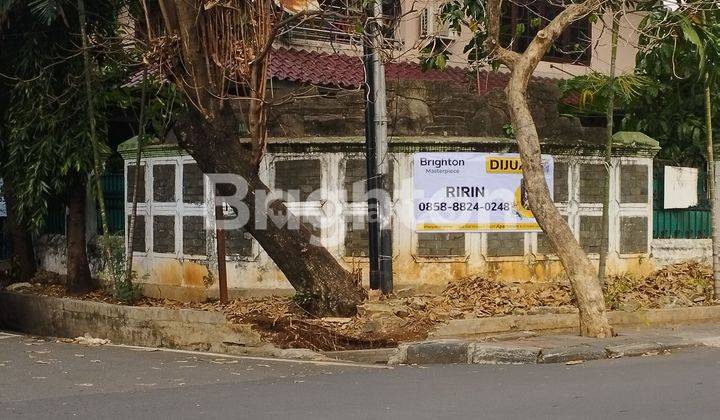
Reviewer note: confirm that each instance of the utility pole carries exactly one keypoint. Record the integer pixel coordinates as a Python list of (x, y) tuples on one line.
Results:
[(379, 204)]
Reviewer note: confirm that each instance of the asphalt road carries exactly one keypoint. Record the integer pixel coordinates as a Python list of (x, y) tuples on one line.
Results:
[(46, 379)]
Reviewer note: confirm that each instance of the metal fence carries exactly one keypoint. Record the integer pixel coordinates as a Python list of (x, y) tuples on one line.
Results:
[(692, 223), (113, 186)]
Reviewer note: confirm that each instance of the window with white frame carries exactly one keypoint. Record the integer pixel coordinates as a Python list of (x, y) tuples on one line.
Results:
[(171, 208)]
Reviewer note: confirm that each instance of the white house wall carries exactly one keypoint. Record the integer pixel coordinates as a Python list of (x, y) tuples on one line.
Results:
[(176, 275)]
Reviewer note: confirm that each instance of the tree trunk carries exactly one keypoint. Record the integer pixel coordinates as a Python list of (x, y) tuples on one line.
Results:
[(580, 271), (714, 211), (90, 109), (310, 269), (78, 269), (20, 238), (609, 128)]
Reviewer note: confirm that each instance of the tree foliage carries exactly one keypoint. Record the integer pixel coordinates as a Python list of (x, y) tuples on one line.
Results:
[(680, 51), (45, 132)]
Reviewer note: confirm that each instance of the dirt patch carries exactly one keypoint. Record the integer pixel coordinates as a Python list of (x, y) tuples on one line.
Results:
[(384, 322)]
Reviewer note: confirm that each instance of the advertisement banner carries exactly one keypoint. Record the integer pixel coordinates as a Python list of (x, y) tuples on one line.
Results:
[(473, 192)]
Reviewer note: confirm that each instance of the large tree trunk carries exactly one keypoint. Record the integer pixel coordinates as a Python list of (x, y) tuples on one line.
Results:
[(78, 269), (580, 271), (310, 269), (211, 135), (20, 238), (578, 267)]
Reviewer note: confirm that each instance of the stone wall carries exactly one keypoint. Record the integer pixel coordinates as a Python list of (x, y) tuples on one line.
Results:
[(421, 108), (633, 235), (194, 235)]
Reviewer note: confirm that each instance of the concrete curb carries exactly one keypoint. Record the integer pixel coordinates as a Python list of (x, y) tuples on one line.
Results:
[(459, 352), (183, 329), (187, 329), (466, 328)]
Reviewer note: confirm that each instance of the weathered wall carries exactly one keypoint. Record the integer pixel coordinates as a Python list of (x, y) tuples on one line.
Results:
[(51, 253), (670, 251), (323, 168), (421, 108)]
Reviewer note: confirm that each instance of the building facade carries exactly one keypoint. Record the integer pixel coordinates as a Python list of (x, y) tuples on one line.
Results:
[(316, 147)]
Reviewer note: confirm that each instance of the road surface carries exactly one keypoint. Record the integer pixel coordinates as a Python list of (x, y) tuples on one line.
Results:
[(42, 378)]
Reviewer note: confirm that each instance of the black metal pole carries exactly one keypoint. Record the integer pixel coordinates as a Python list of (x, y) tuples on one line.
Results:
[(373, 225)]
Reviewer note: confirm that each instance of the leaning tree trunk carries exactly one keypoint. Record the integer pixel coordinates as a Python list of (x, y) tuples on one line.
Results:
[(582, 275), (20, 238), (580, 271), (310, 269), (79, 279), (211, 134)]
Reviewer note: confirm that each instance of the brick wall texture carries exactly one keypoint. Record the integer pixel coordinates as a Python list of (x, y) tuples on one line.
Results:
[(356, 172), (194, 235), (356, 237), (591, 233), (238, 242), (441, 244), (633, 235), (193, 185), (139, 234), (633, 184), (163, 183), (164, 234), (131, 184), (506, 244), (560, 182), (592, 178), (303, 175)]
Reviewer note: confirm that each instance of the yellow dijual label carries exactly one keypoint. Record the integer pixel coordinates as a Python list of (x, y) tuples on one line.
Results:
[(503, 165)]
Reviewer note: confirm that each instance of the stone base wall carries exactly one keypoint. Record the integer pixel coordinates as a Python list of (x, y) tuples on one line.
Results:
[(671, 251)]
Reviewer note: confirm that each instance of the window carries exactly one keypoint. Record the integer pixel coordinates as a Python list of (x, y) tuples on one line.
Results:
[(522, 19), (341, 25)]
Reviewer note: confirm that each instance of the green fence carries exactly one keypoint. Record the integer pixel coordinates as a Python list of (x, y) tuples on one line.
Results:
[(692, 223), (113, 189), (113, 186)]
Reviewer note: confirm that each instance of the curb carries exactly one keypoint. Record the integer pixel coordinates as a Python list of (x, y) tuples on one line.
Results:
[(185, 329), (464, 352), (467, 328)]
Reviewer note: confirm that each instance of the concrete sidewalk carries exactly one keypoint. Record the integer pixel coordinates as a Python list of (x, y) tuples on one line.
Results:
[(530, 348)]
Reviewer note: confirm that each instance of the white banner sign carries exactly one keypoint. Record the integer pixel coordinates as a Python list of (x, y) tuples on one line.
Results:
[(473, 192), (3, 209)]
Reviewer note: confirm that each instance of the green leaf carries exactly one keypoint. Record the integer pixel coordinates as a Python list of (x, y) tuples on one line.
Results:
[(690, 34)]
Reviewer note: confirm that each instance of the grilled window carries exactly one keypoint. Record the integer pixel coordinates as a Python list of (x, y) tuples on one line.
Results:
[(522, 19), (341, 23)]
